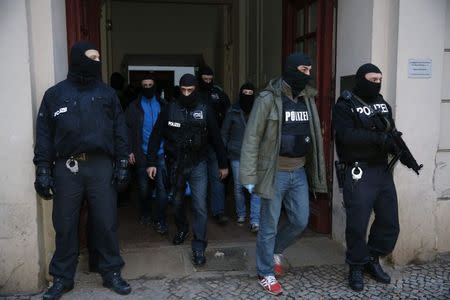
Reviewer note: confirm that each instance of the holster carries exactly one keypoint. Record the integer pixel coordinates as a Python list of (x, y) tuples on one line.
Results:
[(340, 173)]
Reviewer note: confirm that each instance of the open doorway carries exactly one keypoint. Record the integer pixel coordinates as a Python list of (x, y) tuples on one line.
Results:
[(207, 29)]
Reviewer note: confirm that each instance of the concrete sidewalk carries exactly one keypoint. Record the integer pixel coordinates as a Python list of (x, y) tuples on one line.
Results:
[(175, 261)]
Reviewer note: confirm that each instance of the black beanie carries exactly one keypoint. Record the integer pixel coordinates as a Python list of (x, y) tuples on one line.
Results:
[(296, 59), (148, 75), (188, 80), (365, 69), (247, 86)]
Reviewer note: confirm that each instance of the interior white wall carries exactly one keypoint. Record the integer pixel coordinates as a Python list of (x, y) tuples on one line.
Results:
[(155, 28)]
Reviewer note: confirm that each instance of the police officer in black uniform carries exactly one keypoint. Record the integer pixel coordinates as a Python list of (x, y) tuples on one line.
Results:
[(82, 148), (187, 126), (362, 121), (218, 100)]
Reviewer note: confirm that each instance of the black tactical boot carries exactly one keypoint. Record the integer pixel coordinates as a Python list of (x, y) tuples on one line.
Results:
[(355, 278), (115, 282), (373, 268), (180, 237), (57, 290), (198, 257)]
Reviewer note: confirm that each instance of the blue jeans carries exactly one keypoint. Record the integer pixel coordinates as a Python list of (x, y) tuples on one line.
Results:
[(291, 189), (239, 197), (215, 185), (153, 194), (197, 179)]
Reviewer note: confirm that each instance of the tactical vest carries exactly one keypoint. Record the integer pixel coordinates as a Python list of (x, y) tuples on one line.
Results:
[(295, 129), (188, 132), (367, 114)]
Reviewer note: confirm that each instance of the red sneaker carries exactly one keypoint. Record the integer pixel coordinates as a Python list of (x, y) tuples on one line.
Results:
[(270, 285), (278, 266)]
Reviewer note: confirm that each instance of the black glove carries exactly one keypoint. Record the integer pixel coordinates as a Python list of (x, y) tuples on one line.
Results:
[(44, 184), (121, 175)]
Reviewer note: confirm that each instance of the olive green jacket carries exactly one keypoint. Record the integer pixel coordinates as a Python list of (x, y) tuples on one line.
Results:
[(262, 139)]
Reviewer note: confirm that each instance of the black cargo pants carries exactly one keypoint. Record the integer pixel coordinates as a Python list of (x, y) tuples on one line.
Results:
[(374, 191), (94, 179)]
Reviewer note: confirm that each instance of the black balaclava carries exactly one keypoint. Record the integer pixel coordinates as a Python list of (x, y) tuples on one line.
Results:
[(117, 81), (191, 100), (296, 79), (364, 88), (149, 92), (246, 101), (205, 70), (82, 69)]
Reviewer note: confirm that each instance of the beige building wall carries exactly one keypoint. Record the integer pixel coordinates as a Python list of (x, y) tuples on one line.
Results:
[(31, 62), (392, 37), (442, 173), (353, 48), (418, 111)]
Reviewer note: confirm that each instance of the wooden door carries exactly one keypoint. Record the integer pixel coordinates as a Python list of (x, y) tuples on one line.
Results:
[(308, 28), (83, 23)]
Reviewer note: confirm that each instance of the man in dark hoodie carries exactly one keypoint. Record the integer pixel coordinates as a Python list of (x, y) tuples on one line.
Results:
[(281, 160), (187, 126), (141, 117), (232, 131), (81, 144), (216, 98), (362, 120)]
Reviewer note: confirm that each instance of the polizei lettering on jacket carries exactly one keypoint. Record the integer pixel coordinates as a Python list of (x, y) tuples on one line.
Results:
[(296, 116), (174, 124), (60, 111), (377, 107)]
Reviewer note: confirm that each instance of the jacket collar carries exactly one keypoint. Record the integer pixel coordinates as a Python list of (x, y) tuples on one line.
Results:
[(278, 86)]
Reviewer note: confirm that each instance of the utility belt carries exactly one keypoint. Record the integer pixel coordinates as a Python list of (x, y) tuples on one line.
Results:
[(72, 161), (356, 169)]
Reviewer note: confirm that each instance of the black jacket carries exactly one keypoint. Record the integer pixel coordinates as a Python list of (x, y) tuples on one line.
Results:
[(74, 119), (135, 121), (169, 133), (218, 101), (357, 138), (232, 131)]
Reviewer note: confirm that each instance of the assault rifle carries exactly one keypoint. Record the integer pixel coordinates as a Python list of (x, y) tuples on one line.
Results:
[(401, 150)]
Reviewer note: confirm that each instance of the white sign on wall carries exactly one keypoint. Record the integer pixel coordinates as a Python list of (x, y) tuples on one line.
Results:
[(419, 68)]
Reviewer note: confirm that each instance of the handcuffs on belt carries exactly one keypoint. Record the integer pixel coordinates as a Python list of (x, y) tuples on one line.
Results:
[(72, 162), (356, 172), (72, 165)]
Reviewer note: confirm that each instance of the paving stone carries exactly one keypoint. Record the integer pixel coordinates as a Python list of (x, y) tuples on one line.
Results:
[(425, 281)]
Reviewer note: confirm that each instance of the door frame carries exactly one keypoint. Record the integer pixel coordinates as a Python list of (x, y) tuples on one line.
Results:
[(321, 204)]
